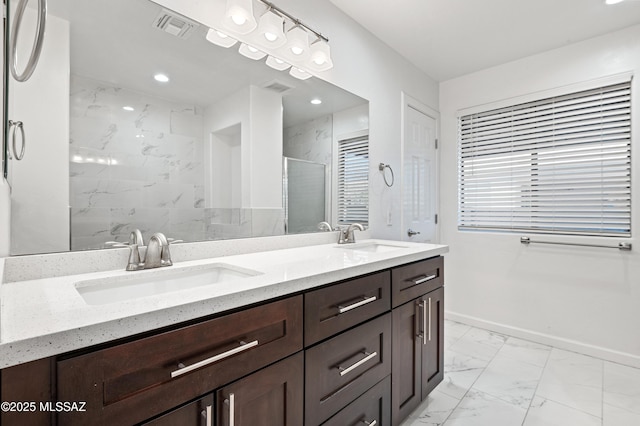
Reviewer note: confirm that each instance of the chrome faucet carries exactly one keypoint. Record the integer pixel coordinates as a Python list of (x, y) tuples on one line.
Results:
[(347, 235), (324, 226), (157, 252)]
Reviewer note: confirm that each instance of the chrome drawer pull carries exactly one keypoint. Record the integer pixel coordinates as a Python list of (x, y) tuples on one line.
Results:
[(429, 325), (372, 423), (364, 301), (231, 402), (425, 327), (349, 369), (209, 415), (183, 370), (424, 279)]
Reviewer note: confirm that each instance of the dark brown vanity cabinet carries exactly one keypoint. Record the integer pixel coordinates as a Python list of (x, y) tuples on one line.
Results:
[(362, 351), (418, 335), (132, 382)]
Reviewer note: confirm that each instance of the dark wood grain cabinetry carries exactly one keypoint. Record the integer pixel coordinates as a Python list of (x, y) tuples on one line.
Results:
[(272, 396), (418, 338), (129, 383), (362, 351)]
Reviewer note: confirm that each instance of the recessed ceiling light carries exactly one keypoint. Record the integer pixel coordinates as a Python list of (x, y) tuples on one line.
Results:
[(161, 78), (316, 101), (127, 108)]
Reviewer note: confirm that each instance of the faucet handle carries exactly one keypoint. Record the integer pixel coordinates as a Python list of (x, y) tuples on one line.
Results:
[(134, 258)]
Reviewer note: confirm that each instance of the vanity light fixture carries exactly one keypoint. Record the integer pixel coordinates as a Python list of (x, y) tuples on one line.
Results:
[(278, 34), (219, 38), (161, 78), (299, 74), (321, 55), (239, 16), (270, 30), (297, 43), (251, 52), (277, 64)]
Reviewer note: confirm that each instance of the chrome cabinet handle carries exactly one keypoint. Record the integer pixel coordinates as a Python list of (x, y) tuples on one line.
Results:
[(371, 423), (352, 367), (232, 409), (364, 301), (18, 125), (429, 322), (424, 322), (183, 370), (207, 413), (423, 280), (37, 45)]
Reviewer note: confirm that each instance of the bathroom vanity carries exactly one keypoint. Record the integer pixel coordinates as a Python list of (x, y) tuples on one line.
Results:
[(321, 335)]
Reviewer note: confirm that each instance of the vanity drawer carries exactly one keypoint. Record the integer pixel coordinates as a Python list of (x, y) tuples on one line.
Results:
[(134, 381), (415, 279), (331, 310), (341, 369), (373, 406)]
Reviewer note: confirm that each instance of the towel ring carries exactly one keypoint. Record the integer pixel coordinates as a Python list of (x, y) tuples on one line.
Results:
[(37, 45), (382, 167)]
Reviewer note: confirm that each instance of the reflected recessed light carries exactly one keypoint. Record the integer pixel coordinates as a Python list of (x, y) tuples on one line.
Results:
[(77, 158), (316, 101), (161, 78), (613, 1), (127, 108), (113, 162)]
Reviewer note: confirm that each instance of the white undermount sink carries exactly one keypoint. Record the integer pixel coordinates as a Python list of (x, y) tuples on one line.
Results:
[(141, 284), (371, 247)]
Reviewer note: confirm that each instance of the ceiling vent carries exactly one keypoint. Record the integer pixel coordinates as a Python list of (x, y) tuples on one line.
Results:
[(174, 24), (278, 86)]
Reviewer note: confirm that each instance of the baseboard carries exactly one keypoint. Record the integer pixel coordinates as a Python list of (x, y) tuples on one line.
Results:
[(547, 339)]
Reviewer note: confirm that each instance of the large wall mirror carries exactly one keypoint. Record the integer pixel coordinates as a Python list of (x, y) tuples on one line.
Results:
[(226, 148)]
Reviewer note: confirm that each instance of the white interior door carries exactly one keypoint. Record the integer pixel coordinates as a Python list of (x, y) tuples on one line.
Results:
[(419, 180)]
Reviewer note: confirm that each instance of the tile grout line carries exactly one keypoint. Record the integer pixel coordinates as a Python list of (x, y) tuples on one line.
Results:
[(602, 397), (535, 392), (479, 375)]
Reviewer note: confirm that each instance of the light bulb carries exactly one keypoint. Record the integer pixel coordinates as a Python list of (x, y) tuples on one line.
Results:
[(270, 36), (297, 50), (239, 19)]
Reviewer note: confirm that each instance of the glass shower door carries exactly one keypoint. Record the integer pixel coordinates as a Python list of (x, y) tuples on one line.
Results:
[(304, 195)]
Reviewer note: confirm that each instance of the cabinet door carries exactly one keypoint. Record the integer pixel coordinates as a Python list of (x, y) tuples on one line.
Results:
[(407, 360), (372, 408), (272, 396), (433, 341), (197, 413)]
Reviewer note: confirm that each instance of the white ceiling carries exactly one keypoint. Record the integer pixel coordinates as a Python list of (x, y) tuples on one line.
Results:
[(450, 38)]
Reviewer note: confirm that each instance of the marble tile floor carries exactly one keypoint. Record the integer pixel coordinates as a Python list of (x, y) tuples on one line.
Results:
[(496, 380)]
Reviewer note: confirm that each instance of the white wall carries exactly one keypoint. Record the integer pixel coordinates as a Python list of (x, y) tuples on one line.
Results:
[(254, 116), (586, 299), (367, 67)]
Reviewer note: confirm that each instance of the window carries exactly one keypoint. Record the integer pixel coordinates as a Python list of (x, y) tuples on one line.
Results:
[(353, 180), (560, 165)]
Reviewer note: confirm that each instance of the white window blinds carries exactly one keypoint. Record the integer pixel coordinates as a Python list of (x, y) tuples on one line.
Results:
[(560, 165), (353, 180)]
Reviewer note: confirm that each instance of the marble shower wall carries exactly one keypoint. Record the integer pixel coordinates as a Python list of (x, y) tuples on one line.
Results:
[(143, 169), (311, 141)]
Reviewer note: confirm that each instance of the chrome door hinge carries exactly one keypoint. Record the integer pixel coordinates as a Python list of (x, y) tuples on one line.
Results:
[(436, 143), (436, 219)]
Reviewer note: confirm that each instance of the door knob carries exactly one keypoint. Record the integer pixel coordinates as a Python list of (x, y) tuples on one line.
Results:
[(411, 232)]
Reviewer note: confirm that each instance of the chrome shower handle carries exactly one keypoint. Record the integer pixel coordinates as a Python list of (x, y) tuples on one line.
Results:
[(15, 126)]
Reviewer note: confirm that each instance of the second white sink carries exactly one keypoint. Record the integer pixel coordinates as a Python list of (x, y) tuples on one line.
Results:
[(371, 247), (158, 281)]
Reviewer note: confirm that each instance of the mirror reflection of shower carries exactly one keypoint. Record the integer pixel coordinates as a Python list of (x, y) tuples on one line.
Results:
[(304, 195)]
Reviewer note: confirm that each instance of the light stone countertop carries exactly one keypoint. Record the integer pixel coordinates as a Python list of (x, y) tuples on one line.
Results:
[(45, 317)]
